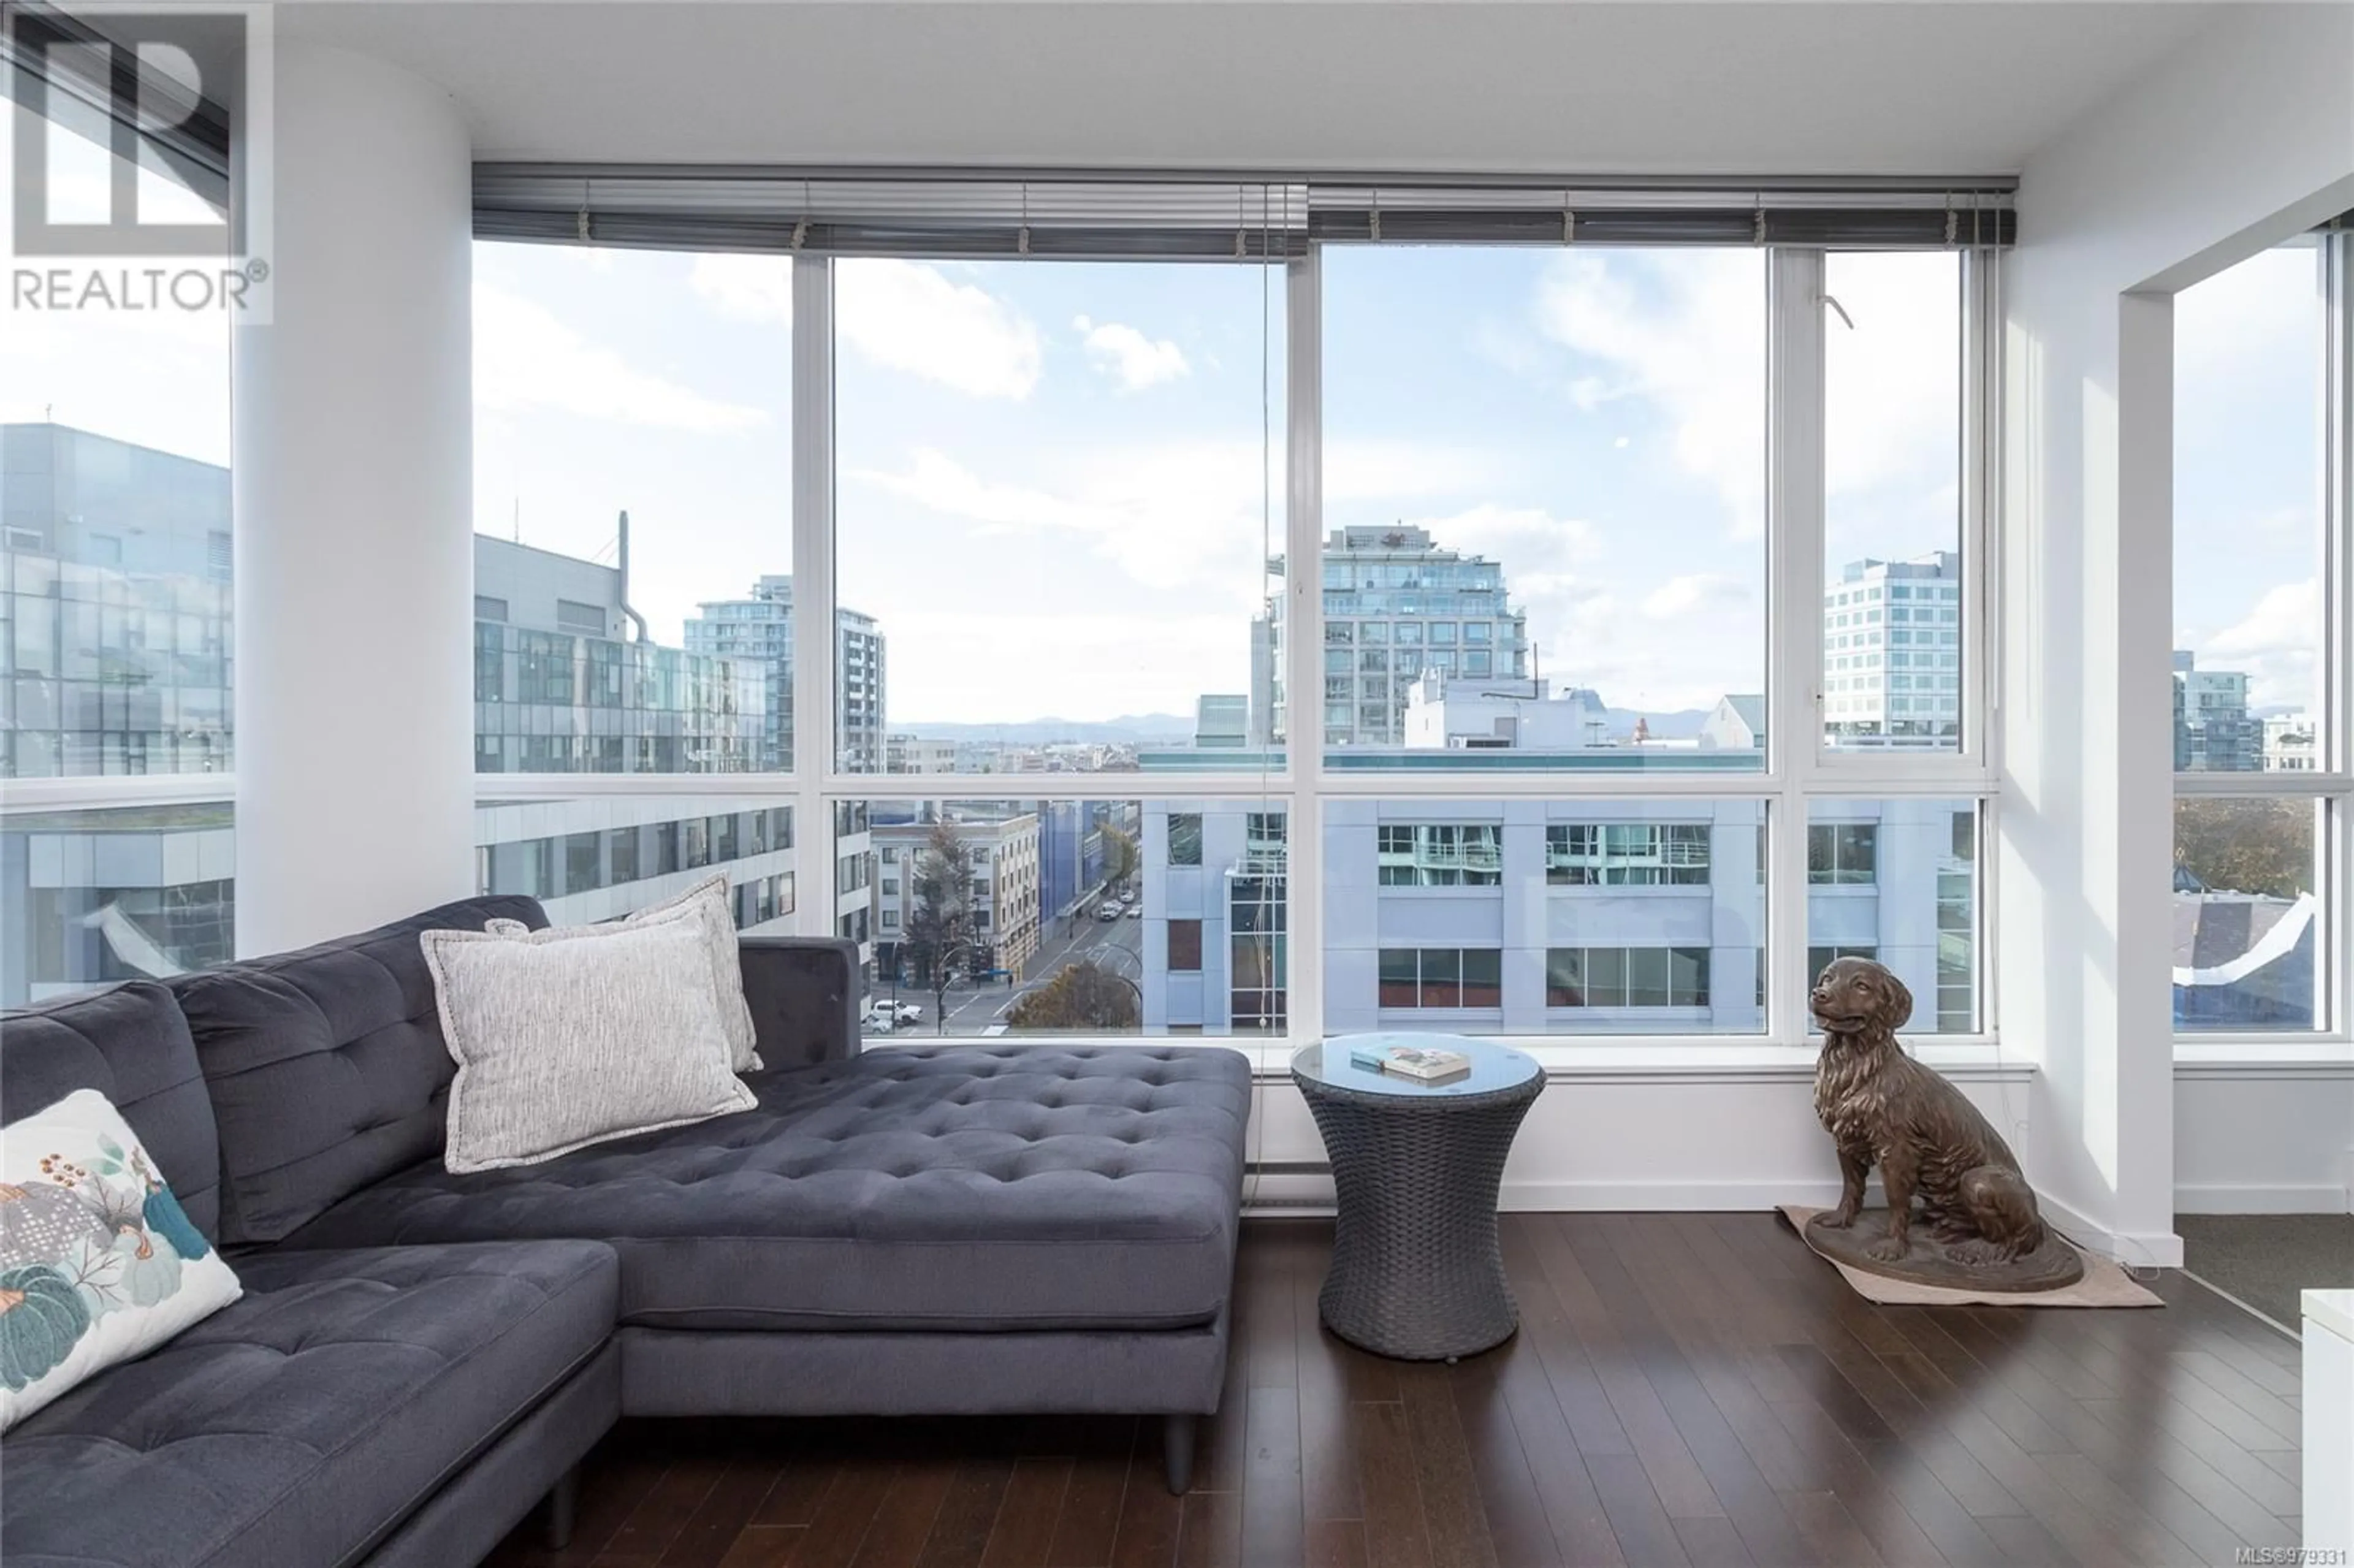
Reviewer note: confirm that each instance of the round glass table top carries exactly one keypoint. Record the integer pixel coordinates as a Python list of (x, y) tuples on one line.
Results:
[(1492, 1066)]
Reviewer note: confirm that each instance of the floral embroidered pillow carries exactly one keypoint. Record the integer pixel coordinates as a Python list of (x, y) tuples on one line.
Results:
[(99, 1263)]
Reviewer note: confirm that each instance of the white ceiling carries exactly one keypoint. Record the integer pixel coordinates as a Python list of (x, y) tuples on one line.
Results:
[(1649, 88)]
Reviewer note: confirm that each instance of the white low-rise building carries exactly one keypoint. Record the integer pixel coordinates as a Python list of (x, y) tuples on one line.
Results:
[(1513, 712)]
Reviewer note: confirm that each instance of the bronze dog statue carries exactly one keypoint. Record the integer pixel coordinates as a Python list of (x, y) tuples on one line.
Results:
[(1881, 1107)]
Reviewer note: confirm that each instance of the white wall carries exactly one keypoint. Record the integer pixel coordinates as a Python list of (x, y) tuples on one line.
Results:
[(2263, 1139), (353, 491), (2242, 137), (1643, 1137)]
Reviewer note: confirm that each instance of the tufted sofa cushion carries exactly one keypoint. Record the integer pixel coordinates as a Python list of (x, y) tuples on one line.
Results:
[(131, 1044), (963, 1188), (294, 1427), (326, 1066)]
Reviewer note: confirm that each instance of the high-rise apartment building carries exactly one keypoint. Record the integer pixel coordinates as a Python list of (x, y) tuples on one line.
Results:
[(2213, 731), (115, 645), (1892, 652), (761, 627), (1396, 604)]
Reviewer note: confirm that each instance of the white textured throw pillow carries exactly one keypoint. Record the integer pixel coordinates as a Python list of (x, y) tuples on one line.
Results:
[(568, 1038), (98, 1263), (707, 900)]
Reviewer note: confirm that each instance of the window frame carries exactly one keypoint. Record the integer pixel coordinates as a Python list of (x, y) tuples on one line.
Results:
[(2329, 784), (1301, 783), (1798, 765)]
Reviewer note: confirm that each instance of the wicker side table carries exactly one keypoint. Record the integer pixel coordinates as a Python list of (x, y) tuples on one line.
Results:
[(1415, 1270)]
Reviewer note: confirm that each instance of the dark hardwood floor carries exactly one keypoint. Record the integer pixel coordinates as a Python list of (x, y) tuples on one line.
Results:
[(1685, 1388)]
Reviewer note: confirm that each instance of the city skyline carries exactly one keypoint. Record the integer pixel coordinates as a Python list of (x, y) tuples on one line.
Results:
[(753, 632), (677, 409)]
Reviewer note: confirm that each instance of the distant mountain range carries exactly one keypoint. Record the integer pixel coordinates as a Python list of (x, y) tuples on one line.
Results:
[(1129, 728)]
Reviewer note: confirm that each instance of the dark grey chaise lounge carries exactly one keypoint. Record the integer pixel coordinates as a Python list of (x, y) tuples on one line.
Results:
[(965, 1229)]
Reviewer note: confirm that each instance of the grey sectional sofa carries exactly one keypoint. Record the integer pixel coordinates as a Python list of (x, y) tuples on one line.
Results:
[(418, 1357)]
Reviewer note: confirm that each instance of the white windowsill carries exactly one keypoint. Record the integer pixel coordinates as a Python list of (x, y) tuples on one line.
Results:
[(2262, 1057), (1683, 1061)]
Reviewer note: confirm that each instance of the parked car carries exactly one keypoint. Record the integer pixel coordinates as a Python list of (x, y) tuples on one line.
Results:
[(1108, 912), (1137, 913), (908, 1012)]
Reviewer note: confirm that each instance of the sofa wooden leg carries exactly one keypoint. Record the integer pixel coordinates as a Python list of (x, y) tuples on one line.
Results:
[(563, 1504), (1177, 1452)]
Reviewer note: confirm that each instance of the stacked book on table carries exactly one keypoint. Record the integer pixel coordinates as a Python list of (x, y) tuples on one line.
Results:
[(1424, 1064)]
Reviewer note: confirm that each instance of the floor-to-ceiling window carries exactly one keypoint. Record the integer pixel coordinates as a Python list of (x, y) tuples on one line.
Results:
[(1547, 625), (2260, 651), (634, 607), (117, 731)]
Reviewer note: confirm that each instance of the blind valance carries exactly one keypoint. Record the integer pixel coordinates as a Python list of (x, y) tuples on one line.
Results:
[(987, 214)]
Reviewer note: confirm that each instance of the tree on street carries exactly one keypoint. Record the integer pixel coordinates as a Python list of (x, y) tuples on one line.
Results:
[(1118, 856), (939, 923), (1080, 996), (2255, 845)]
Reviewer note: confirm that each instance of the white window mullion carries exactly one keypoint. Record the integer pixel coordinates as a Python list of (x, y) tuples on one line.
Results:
[(1794, 511), (812, 553), (2334, 703), (1303, 650), (1981, 474), (2335, 700)]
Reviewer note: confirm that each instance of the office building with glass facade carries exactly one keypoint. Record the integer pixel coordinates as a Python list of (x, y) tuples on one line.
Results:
[(115, 638)]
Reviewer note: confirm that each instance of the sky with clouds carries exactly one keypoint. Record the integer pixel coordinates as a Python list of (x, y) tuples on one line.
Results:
[(2247, 472), (1058, 483)]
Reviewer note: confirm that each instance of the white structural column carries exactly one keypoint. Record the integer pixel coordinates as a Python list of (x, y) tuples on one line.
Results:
[(2237, 142), (354, 512)]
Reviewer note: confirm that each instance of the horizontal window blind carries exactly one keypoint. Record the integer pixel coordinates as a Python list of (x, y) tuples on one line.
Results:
[(1174, 216)]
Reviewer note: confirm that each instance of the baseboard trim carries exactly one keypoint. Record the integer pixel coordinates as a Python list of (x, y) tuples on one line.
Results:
[(1638, 1196), (1287, 1196), (2132, 1249), (2233, 1198), (1286, 1192)]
